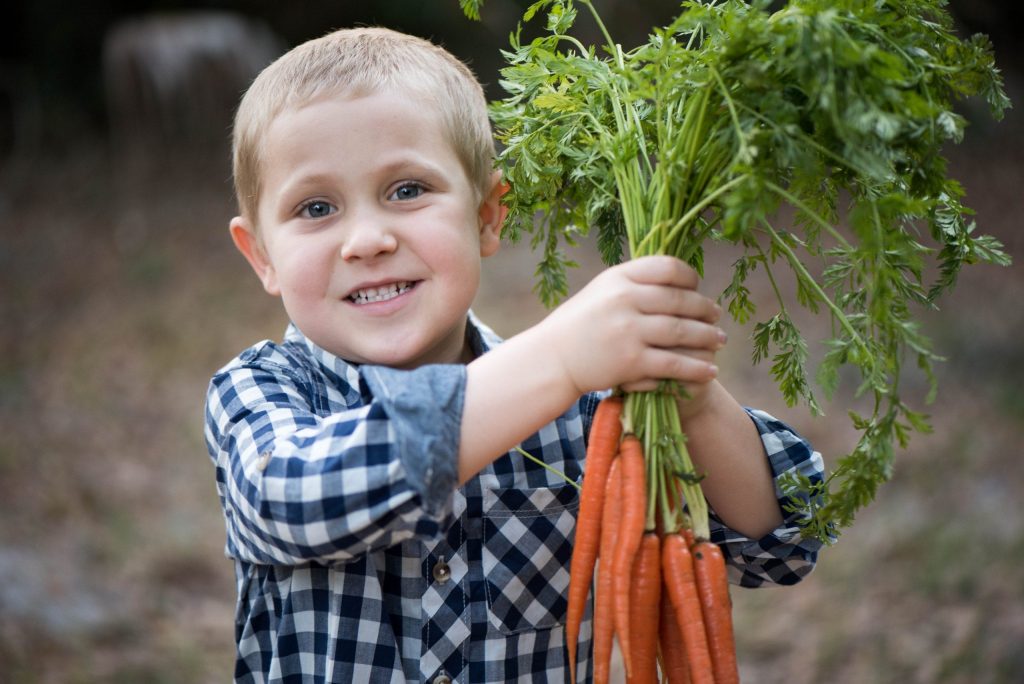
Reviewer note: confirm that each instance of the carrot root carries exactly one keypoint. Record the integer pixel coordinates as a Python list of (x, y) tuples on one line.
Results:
[(604, 630), (605, 433), (677, 566), (644, 604), (671, 650), (713, 589), (631, 530)]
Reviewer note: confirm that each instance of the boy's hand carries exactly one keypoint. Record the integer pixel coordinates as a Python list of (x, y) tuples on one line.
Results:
[(633, 326), (636, 324)]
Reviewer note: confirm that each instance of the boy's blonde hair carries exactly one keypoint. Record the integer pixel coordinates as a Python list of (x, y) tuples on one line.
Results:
[(354, 63)]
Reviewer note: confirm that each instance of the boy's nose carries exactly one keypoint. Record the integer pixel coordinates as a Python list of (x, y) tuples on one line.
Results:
[(367, 240)]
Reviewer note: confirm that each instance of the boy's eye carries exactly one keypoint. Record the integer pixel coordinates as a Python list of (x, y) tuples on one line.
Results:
[(317, 209), (407, 191)]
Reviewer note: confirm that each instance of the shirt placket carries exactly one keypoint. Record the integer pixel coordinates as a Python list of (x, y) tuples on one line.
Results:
[(445, 605)]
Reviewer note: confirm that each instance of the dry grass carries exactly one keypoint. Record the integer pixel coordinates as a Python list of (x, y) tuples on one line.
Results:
[(122, 294)]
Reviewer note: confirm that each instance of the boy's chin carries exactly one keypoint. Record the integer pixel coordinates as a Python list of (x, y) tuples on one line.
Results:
[(396, 349), (407, 356)]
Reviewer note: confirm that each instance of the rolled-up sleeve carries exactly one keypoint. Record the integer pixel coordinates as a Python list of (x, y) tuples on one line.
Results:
[(297, 485), (426, 405), (784, 555)]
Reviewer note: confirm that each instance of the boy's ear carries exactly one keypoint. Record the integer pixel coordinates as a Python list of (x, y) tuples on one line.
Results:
[(492, 216), (249, 245)]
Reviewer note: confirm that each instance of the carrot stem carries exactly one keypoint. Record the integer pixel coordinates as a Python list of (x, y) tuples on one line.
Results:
[(526, 454)]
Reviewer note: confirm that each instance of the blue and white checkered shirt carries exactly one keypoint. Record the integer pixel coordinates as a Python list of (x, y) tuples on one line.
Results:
[(357, 557)]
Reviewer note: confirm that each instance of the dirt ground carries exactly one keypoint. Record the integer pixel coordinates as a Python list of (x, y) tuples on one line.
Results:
[(121, 294)]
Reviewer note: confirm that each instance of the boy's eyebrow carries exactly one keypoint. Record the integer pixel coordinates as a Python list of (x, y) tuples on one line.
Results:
[(301, 184), (317, 178), (413, 163)]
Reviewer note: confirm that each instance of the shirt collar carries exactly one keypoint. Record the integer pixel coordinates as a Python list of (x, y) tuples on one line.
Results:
[(481, 340)]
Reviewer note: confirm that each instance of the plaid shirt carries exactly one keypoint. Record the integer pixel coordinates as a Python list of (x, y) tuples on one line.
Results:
[(357, 557)]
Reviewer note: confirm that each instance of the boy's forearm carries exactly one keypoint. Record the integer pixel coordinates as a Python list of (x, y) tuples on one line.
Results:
[(631, 326), (725, 445), (723, 442), (511, 392)]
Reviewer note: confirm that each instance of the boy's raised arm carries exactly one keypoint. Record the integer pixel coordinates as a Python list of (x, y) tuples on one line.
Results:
[(633, 325)]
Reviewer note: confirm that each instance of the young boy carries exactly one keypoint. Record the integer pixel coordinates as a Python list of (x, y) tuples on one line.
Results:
[(383, 526)]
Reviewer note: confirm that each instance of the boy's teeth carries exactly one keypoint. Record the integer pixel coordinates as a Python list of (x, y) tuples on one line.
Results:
[(379, 294)]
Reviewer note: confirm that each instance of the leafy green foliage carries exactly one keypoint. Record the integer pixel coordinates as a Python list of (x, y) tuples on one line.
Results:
[(838, 109), (471, 8)]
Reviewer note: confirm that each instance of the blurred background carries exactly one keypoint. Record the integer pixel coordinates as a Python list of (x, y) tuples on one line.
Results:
[(120, 294)]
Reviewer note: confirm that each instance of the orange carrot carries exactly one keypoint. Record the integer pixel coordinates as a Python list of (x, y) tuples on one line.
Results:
[(644, 604), (603, 444), (671, 651), (687, 533), (677, 566), (713, 589), (604, 628), (631, 530)]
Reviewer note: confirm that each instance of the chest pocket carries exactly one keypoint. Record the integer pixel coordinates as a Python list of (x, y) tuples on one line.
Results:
[(526, 552)]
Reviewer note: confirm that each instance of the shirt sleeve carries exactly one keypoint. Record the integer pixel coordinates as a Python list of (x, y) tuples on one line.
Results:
[(298, 485), (784, 555)]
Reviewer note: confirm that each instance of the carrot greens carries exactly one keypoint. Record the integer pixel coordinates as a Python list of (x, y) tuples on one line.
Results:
[(836, 109)]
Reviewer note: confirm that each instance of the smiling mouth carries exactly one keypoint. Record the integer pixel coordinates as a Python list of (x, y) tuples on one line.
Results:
[(380, 294)]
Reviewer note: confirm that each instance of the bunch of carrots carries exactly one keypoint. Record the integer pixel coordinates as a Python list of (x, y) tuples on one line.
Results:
[(661, 586), (837, 109)]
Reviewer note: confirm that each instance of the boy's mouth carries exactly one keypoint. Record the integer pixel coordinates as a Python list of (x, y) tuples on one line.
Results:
[(383, 293)]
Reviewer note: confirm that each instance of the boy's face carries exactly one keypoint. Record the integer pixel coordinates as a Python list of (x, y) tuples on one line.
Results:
[(370, 230)]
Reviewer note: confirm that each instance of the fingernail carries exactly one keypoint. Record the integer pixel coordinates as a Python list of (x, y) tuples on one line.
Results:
[(722, 338), (714, 371)]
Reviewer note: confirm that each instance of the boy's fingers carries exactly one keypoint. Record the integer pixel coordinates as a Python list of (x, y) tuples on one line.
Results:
[(661, 270), (667, 364), (641, 386), (682, 303), (681, 334)]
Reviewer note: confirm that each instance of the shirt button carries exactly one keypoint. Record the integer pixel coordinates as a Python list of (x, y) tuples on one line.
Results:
[(264, 461), (441, 679), (442, 573)]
